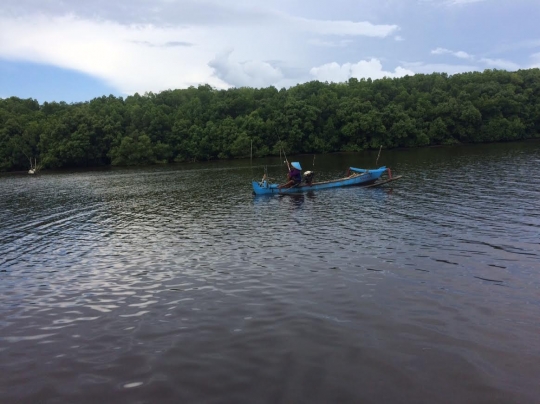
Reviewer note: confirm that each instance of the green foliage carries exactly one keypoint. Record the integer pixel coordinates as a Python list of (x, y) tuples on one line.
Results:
[(202, 123), (133, 150)]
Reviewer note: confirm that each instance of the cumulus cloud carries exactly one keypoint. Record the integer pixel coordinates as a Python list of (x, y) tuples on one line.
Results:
[(251, 73), (371, 68), (462, 55), (458, 54)]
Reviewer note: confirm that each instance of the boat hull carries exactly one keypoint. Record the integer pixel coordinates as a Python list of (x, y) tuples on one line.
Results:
[(364, 177)]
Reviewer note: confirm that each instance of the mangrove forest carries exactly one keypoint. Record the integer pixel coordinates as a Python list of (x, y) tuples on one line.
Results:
[(203, 123)]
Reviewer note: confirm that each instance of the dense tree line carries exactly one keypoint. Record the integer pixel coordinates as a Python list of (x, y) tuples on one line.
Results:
[(204, 123)]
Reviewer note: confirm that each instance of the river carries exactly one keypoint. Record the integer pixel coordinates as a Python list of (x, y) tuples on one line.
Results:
[(175, 284)]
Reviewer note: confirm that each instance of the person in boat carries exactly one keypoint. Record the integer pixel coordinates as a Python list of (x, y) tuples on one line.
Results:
[(294, 176)]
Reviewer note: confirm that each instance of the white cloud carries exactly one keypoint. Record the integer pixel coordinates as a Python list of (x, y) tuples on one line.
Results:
[(143, 45), (155, 57), (371, 68), (440, 51), (329, 43), (428, 68), (246, 74), (462, 55), (458, 54), (500, 64), (118, 54), (343, 28), (492, 63)]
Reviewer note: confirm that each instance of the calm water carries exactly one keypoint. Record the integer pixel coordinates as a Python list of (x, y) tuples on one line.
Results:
[(175, 284)]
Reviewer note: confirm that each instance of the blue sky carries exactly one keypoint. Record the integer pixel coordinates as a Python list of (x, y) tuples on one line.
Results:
[(74, 50)]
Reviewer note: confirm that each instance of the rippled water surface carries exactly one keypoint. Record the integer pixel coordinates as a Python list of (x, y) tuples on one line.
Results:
[(175, 284)]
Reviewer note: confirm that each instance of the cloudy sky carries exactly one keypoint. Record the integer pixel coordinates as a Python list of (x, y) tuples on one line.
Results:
[(75, 50)]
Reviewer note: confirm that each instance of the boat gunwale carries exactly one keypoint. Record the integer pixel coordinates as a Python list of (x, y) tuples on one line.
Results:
[(350, 177)]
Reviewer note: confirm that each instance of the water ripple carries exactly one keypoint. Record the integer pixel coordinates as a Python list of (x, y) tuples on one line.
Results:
[(175, 284)]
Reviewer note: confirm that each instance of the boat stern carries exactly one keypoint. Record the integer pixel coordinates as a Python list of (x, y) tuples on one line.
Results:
[(263, 187)]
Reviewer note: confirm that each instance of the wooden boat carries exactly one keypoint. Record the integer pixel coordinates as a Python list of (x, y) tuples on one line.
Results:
[(355, 176)]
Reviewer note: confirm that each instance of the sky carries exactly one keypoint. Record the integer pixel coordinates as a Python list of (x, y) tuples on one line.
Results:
[(76, 50)]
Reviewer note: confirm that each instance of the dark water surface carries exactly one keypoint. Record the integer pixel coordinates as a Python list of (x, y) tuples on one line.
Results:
[(175, 284)]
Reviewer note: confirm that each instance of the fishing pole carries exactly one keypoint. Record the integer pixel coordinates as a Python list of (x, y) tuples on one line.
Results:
[(287, 161), (251, 158), (376, 161), (280, 149)]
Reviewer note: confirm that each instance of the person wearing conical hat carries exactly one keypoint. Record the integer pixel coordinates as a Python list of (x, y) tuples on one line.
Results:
[(294, 176)]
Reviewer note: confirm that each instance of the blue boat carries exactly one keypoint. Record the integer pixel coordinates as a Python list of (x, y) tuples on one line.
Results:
[(355, 176)]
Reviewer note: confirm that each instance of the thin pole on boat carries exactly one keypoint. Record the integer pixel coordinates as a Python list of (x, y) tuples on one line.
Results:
[(380, 148), (286, 161), (280, 149)]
